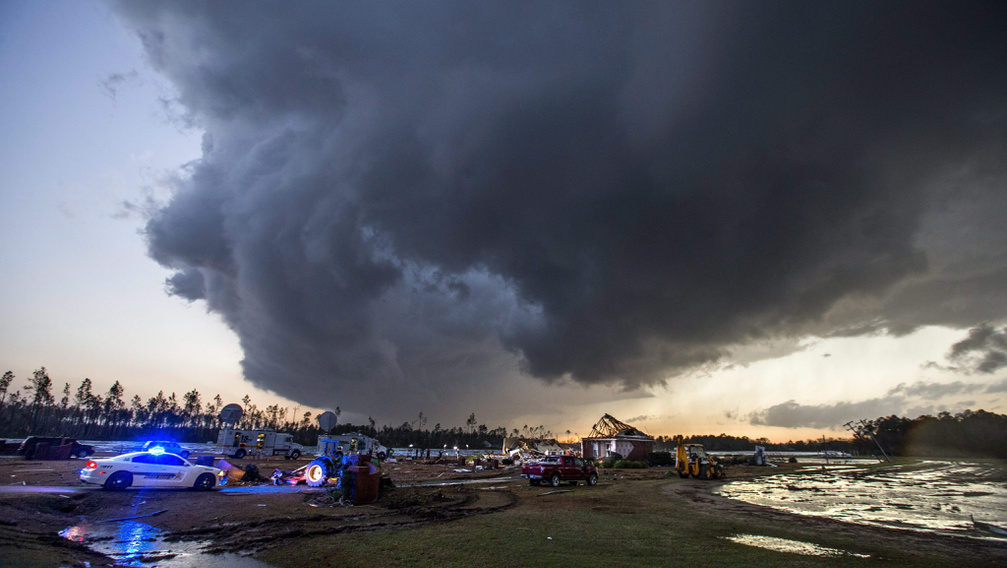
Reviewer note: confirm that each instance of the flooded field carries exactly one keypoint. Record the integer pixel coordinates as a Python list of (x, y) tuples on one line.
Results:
[(932, 495), (792, 546)]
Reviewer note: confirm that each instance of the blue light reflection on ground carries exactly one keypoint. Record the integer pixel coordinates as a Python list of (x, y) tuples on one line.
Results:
[(136, 540), (128, 542), (132, 543)]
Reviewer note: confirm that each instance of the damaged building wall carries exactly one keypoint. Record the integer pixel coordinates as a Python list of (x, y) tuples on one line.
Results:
[(630, 449), (610, 436)]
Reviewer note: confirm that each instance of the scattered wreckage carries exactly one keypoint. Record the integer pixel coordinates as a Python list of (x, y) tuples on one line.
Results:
[(355, 474), (521, 449)]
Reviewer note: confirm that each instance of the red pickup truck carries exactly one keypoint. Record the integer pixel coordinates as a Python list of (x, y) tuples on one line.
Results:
[(557, 469)]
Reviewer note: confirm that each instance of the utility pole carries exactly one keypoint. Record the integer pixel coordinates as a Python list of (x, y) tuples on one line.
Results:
[(862, 431)]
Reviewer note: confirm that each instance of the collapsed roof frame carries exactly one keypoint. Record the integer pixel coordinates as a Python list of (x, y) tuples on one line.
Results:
[(610, 427)]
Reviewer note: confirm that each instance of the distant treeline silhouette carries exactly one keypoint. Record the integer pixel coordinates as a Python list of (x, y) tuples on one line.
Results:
[(84, 415), (966, 434)]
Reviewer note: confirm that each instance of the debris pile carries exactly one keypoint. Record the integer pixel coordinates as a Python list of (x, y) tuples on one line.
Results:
[(356, 477), (527, 449)]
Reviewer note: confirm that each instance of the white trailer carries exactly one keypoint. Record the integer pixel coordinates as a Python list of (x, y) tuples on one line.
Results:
[(240, 443), (338, 445)]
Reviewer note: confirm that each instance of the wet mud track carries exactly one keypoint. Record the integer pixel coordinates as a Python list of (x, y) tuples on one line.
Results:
[(403, 508)]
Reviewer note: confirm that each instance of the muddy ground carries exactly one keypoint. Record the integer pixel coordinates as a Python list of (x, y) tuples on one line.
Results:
[(257, 518)]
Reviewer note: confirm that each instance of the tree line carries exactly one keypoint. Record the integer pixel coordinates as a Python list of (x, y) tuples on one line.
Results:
[(965, 434), (83, 414)]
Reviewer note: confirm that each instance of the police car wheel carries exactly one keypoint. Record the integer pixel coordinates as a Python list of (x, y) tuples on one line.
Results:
[(119, 480), (205, 482)]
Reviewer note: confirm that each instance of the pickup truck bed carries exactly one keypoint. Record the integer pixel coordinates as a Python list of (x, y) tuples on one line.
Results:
[(554, 470)]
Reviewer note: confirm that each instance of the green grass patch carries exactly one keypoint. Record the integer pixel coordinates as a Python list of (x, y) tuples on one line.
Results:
[(616, 524)]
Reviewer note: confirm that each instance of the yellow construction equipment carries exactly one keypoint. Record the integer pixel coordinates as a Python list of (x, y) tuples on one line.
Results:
[(691, 459)]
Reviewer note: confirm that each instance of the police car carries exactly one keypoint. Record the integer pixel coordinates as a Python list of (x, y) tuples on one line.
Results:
[(154, 468)]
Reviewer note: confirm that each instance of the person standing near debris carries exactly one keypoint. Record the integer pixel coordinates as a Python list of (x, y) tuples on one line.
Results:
[(348, 482)]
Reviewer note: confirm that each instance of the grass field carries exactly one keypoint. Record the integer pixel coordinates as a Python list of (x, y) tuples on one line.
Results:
[(635, 523)]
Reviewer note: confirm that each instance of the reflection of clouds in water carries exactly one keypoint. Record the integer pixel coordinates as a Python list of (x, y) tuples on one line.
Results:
[(931, 496), (792, 546)]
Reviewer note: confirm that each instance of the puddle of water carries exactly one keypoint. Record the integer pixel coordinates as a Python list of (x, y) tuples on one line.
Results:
[(131, 543), (792, 546), (932, 496)]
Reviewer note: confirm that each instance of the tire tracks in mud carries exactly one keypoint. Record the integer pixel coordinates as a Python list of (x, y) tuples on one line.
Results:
[(412, 508)]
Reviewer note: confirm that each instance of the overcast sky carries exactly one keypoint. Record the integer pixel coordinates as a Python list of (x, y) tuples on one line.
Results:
[(755, 218)]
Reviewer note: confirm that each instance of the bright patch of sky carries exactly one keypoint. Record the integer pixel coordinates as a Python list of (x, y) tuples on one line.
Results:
[(86, 127)]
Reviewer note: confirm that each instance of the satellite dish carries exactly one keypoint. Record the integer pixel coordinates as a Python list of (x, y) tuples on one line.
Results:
[(231, 413), (327, 420)]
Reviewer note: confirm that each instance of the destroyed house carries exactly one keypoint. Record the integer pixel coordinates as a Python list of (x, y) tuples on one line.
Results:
[(532, 446), (610, 436)]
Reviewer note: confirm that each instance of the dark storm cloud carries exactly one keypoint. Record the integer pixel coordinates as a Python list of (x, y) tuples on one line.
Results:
[(909, 400), (934, 391), (188, 284), (418, 198), (790, 414), (983, 351)]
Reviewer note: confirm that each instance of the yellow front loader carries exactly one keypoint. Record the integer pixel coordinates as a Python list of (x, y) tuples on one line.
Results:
[(691, 459)]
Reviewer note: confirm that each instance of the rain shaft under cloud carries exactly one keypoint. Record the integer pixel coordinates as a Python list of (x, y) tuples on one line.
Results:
[(410, 202)]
